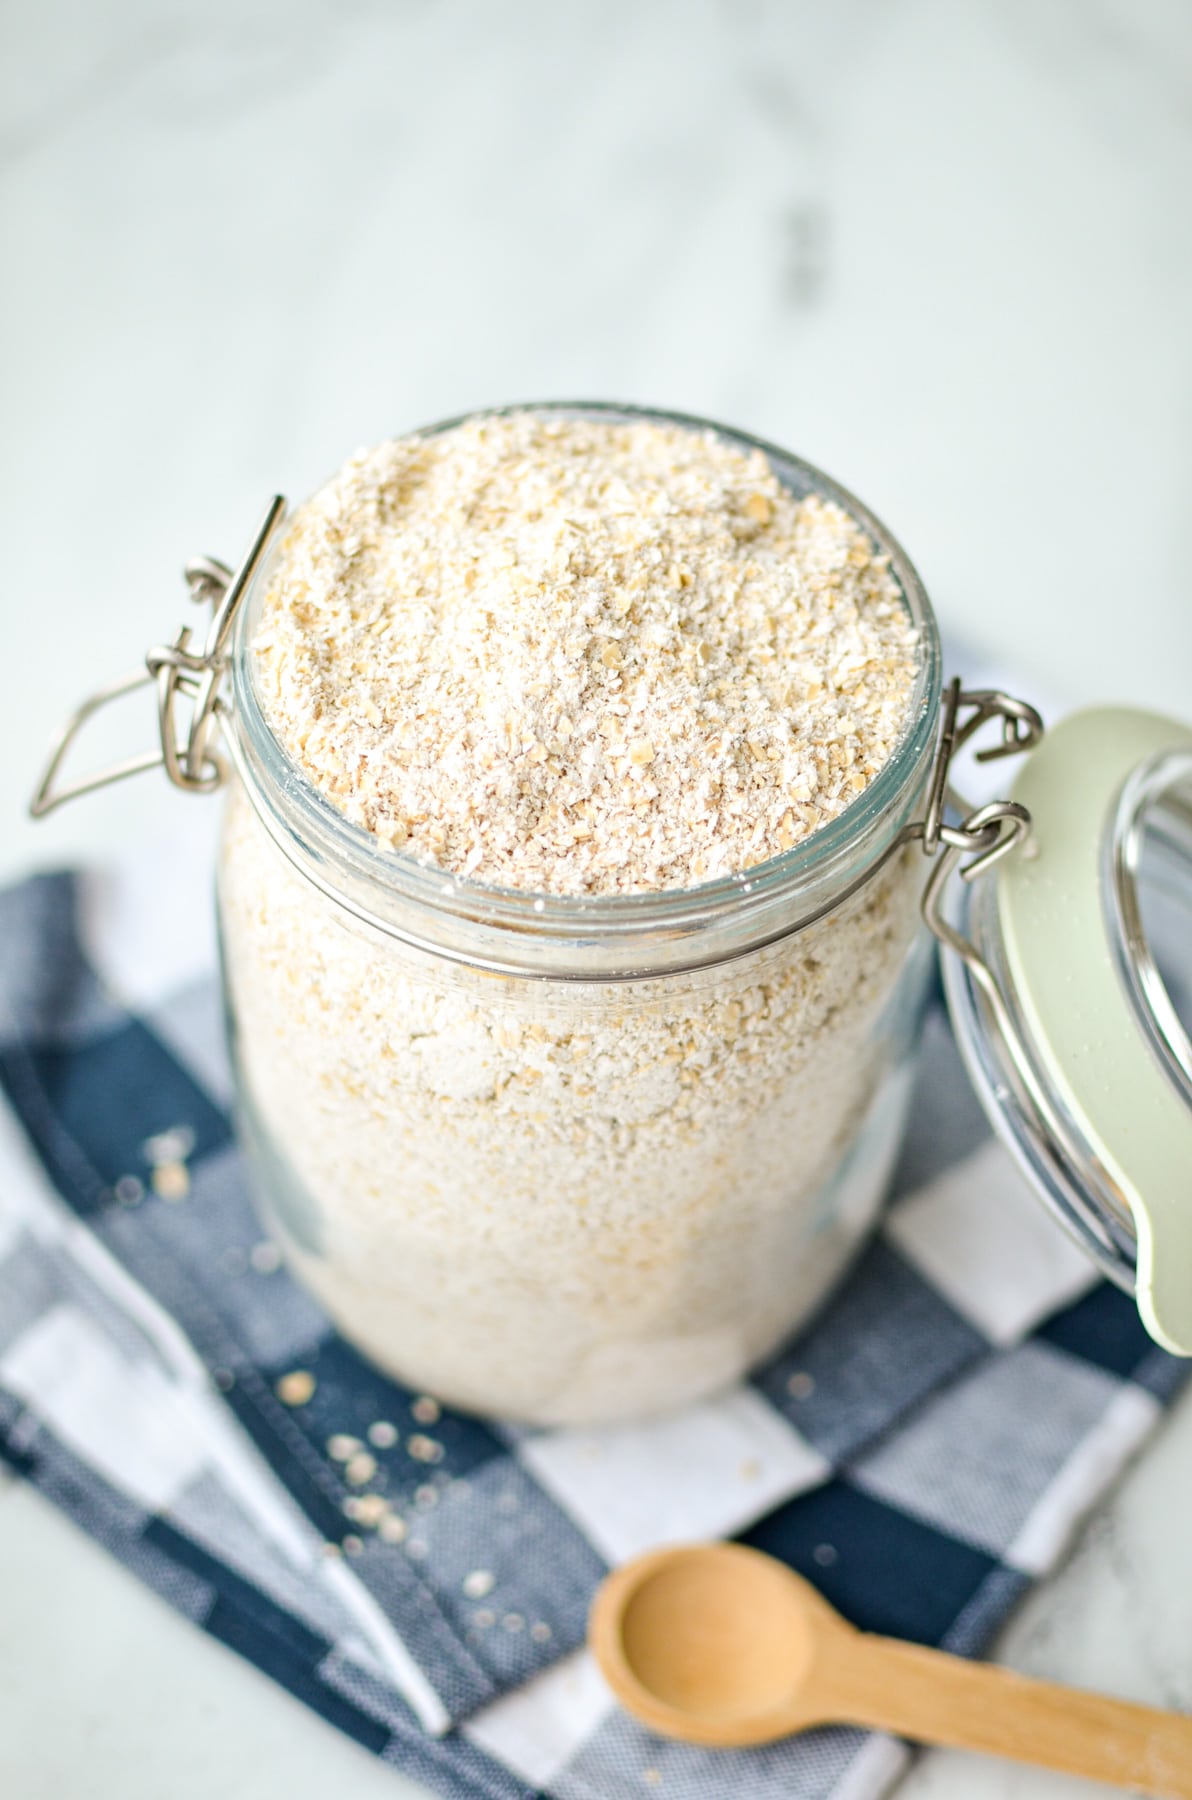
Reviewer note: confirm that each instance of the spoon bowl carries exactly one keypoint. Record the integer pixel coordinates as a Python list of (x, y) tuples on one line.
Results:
[(711, 1639)]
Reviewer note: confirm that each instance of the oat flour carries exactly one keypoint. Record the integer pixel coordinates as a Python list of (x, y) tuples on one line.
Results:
[(576, 658)]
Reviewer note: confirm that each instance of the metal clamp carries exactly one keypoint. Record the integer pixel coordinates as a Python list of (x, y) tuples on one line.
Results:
[(984, 834), (186, 751), (1022, 728)]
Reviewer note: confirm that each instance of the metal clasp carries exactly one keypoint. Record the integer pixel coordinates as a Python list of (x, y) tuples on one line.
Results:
[(1022, 728), (180, 673), (988, 832), (984, 834)]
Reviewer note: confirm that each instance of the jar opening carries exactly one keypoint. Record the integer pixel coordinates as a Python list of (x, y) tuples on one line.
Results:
[(600, 936)]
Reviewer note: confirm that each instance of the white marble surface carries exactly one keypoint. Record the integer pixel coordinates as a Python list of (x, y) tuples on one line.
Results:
[(944, 250)]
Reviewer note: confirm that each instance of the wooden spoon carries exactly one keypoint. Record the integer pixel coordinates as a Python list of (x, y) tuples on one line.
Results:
[(718, 1644)]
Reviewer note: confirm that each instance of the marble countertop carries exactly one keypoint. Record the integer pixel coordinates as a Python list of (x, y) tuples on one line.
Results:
[(946, 252)]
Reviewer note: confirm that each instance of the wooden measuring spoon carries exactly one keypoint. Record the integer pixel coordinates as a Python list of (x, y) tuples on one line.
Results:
[(718, 1644)]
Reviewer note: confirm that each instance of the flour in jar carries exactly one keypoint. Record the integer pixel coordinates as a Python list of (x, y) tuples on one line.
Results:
[(589, 658), (582, 657)]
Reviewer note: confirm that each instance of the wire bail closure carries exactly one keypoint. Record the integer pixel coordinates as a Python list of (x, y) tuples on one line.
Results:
[(985, 834), (186, 750)]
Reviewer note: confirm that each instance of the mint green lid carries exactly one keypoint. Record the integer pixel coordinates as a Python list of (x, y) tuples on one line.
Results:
[(1071, 943)]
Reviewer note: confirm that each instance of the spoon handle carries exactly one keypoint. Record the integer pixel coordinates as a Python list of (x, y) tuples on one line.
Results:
[(938, 1699)]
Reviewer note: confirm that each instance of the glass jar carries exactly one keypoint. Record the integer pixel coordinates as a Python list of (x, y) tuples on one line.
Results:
[(564, 1159), (572, 1159)]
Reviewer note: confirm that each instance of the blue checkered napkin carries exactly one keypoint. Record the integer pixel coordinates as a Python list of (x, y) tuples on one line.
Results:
[(420, 1578)]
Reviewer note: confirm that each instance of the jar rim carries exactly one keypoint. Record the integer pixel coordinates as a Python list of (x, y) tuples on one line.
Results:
[(309, 828)]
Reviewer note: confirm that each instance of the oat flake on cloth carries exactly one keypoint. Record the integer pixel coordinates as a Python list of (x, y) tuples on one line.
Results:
[(421, 1579)]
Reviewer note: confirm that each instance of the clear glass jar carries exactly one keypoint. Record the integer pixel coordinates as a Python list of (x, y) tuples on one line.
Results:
[(571, 1159), (566, 1160)]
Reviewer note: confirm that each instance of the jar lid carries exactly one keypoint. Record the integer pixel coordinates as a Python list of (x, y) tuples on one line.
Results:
[(1071, 992)]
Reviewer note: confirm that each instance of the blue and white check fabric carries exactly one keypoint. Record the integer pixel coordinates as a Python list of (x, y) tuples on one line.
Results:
[(923, 1452)]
